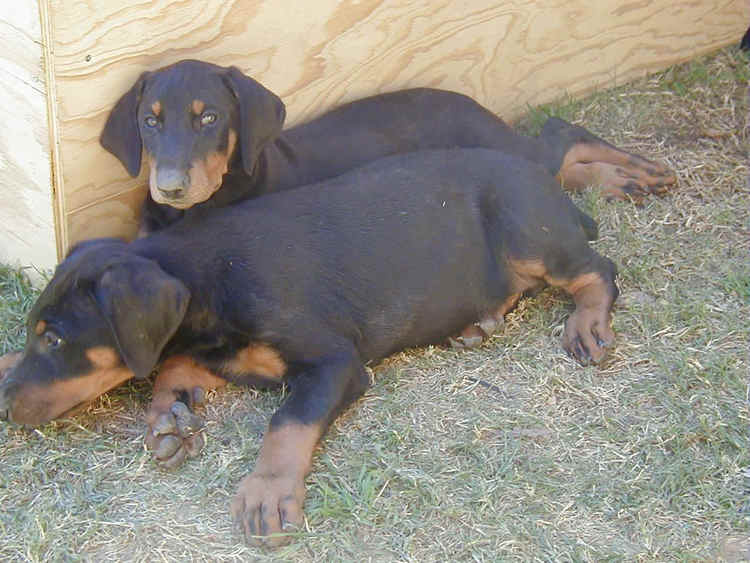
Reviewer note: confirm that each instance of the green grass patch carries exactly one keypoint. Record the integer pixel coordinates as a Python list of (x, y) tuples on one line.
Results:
[(18, 296)]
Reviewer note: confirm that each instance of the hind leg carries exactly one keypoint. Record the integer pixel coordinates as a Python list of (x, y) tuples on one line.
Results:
[(582, 159), (590, 280), (588, 332)]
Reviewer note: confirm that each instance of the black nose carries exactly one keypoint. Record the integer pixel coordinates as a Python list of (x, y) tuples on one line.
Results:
[(171, 183)]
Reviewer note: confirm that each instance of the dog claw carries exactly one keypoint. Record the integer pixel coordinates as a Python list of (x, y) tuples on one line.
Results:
[(587, 337), (198, 395), (580, 352), (187, 423), (194, 446)]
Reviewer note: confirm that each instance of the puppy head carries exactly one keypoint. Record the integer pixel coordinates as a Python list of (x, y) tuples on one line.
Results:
[(104, 317), (190, 119)]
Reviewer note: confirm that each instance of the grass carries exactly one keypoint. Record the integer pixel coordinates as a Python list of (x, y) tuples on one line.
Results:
[(507, 452)]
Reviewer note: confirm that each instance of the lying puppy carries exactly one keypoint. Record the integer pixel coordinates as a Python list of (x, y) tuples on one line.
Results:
[(203, 127), (305, 287)]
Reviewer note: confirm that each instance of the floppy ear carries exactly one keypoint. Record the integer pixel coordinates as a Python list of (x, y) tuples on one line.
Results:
[(262, 115), (144, 306), (121, 134)]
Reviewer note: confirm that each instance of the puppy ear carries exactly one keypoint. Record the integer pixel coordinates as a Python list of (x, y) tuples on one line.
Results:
[(262, 115), (143, 306), (122, 134)]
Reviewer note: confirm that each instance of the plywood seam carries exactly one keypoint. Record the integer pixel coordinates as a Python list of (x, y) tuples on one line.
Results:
[(56, 177), (23, 81)]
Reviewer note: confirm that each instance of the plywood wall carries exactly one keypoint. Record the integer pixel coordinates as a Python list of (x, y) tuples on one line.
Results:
[(27, 230), (318, 53)]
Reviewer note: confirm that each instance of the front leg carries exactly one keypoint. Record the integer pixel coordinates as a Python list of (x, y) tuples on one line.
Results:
[(268, 503), (174, 431), (587, 332)]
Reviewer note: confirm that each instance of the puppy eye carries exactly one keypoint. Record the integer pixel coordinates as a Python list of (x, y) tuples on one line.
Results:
[(151, 121), (208, 118), (53, 340)]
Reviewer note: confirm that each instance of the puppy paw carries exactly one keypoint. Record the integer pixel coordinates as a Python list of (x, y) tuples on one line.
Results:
[(587, 336), (174, 435), (474, 335), (267, 509)]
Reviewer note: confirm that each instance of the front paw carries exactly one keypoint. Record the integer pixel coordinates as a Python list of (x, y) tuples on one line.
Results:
[(268, 508), (587, 336), (174, 435)]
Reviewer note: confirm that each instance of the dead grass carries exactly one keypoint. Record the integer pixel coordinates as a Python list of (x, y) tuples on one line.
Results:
[(508, 452)]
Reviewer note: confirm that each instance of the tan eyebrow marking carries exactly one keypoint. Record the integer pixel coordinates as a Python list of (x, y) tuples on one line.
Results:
[(198, 106), (156, 108)]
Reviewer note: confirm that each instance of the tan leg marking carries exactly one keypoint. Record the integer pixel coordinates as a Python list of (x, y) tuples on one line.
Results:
[(257, 359), (588, 330), (620, 174), (526, 275), (575, 285), (177, 375), (473, 335), (269, 501)]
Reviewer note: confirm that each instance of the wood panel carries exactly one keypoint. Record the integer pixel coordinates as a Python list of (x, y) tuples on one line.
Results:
[(27, 230), (323, 52)]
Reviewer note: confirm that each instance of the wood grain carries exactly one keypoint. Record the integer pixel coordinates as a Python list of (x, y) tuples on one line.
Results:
[(27, 229), (318, 54)]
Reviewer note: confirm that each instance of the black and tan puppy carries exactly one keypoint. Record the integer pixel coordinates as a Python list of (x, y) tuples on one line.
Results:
[(305, 287), (213, 136)]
